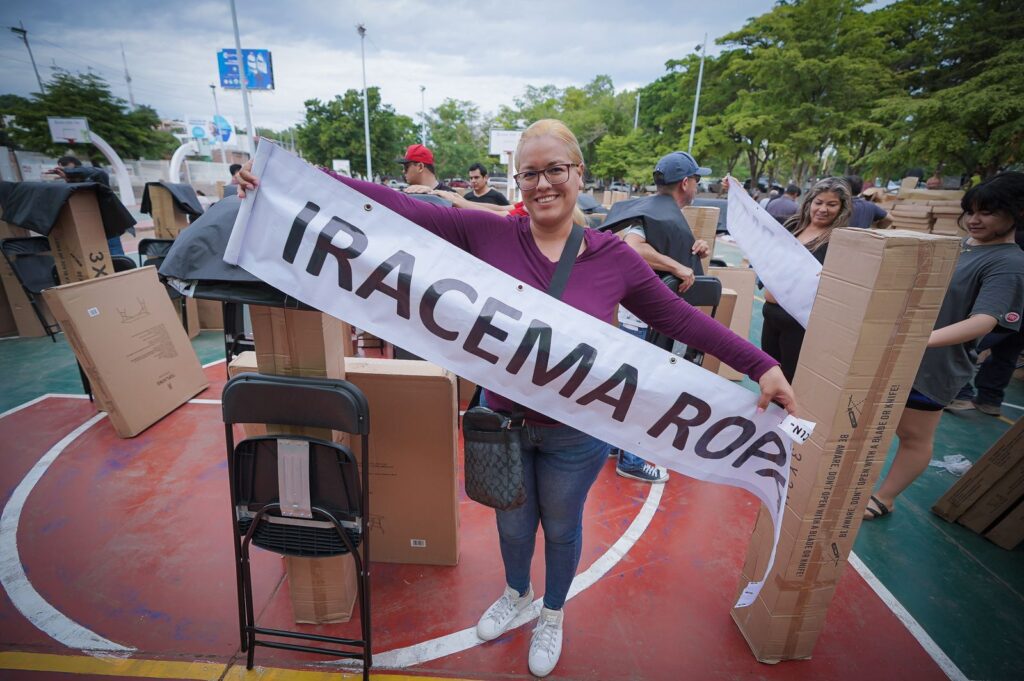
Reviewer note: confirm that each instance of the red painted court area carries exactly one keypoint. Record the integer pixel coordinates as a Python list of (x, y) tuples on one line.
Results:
[(130, 539)]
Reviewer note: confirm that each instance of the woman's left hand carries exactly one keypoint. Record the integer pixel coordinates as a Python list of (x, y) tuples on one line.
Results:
[(701, 249), (246, 180), (775, 388)]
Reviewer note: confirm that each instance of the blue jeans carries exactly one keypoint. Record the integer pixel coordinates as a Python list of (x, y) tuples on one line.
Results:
[(628, 460), (114, 246), (560, 464)]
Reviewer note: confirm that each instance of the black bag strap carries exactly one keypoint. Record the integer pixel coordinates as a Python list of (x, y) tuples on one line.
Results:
[(565, 262), (555, 289)]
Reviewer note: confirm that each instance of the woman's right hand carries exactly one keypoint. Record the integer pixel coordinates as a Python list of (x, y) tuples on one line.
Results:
[(775, 388), (246, 180)]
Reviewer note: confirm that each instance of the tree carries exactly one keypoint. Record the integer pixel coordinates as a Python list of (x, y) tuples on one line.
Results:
[(131, 133), (456, 137), (334, 130)]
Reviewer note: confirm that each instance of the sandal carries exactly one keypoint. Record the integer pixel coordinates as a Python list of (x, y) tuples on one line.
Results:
[(881, 511)]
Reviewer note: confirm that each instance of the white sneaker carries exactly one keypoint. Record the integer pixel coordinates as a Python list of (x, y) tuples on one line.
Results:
[(546, 644), (496, 619)]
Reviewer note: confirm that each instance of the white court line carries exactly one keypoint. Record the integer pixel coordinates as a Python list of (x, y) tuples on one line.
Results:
[(1015, 406), (23, 595), (916, 630), (216, 361), (460, 641)]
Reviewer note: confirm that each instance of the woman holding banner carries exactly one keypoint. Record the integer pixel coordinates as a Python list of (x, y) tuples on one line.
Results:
[(560, 463), (826, 207), (987, 291)]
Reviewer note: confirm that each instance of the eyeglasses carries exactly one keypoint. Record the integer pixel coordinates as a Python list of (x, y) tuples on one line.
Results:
[(556, 174)]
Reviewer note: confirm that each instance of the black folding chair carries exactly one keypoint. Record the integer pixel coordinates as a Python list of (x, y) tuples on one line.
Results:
[(33, 265), (122, 263), (705, 292), (153, 248), (274, 514)]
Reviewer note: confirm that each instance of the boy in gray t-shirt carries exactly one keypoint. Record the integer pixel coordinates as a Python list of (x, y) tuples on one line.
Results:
[(987, 291)]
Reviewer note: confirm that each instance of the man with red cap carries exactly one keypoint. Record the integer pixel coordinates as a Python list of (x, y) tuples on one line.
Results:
[(418, 170)]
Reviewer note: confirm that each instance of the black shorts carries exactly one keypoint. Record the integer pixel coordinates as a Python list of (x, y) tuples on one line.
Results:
[(921, 402)]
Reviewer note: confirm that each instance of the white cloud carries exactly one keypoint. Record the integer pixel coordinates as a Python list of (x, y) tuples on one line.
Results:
[(485, 52)]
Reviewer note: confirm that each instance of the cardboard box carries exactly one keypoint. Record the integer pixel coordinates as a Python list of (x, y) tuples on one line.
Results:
[(78, 242), (299, 343), (126, 335), (1008, 533), (466, 390), (742, 280), (323, 590), (876, 305), (168, 221), (211, 314), (703, 221), (999, 499), (724, 313), (8, 327), (1007, 452), (414, 510)]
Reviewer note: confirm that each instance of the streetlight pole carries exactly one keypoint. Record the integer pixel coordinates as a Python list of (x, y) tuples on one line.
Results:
[(23, 34), (696, 100), (128, 78), (423, 115), (242, 83), (636, 116), (216, 113), (361, 29)]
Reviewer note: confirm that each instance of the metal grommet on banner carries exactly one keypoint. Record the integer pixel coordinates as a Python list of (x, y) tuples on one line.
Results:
[(519, 287), (367, 207), (672, 360)]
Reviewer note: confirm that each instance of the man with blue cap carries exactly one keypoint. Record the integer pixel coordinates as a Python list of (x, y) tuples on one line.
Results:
[(655, 228)]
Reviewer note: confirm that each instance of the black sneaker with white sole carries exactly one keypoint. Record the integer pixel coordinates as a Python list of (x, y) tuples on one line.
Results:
[(645, 473)]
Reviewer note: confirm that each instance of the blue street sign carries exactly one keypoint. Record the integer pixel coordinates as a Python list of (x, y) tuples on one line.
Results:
[(259, 69)]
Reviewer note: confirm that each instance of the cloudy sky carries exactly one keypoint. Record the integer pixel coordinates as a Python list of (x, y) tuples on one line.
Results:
[(485, 52)]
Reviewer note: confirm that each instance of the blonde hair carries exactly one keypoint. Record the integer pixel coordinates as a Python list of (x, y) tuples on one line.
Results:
[(560, 131)]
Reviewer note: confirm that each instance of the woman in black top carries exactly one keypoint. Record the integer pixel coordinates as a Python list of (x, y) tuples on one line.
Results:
[(826, 207)]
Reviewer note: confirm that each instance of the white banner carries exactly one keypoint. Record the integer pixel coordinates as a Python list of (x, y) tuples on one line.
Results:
[(784, 264), (326, 244)]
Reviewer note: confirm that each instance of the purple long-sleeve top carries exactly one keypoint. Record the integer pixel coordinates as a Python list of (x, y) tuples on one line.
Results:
[(607, 273)]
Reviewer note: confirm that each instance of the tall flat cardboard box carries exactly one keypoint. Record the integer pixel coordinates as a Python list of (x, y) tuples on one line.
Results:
[(742, 280), (703, 221), (877, 301), (724, 313), (168, 221), (311, 344), (323, 590), (126, 335), (78, 242), (414, 511), (243, 364)]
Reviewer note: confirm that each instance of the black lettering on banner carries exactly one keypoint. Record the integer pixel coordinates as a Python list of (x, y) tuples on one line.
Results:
[(430, 299), (673, 417), (627, 376), (539, 334), (768, 447), (402, 292), (299, 224), (779, 482), (323, 246), (483, 327), (703, 447)]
